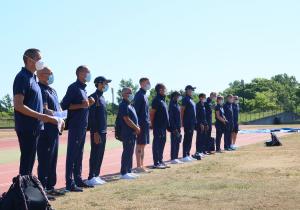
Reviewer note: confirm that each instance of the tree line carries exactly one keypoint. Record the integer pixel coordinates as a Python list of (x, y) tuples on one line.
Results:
[(260, 94)]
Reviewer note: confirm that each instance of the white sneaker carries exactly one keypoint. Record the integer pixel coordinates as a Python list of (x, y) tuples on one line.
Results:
[(174, 161), (192, 159), (178, 161), (134, 174), (127, 176), (100, 180), (186, 159), (92, 182), (202, 155)]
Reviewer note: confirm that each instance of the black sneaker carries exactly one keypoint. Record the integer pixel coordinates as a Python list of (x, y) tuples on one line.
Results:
[(83, 185), (73, 188), (55, 192)]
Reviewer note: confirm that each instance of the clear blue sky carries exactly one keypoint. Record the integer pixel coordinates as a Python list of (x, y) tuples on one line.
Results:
[(204, 43)]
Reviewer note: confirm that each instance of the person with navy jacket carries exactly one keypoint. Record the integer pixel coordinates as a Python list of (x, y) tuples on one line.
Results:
[(228, 111), (47, 147), (209, 104), (98, 130), (160, 123), (28, 108), (129, 131), (220, 122), (201, 126), (188, 117), (236, 110), (141, 106), (77, 103), (175, 126)]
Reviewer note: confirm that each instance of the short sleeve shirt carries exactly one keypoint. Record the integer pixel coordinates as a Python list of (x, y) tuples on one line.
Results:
[(25, 83), (189, 117), (127, 110), (161, 119)]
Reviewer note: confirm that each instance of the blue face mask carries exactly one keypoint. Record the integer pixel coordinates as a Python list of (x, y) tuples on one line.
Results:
[(88, 77), (106, 87), (131, 97), (50, 79)]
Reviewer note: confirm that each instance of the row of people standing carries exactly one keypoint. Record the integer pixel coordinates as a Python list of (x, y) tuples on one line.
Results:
[(36, 106)]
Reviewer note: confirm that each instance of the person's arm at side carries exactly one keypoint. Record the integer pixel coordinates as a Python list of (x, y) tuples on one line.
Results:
[(182, 110), (152, 116), (219, 117), (20, 107), (131, 124)]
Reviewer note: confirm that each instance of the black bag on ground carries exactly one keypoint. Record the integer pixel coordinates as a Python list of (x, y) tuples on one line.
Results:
[(26, 193), (118, 127), (274, 141)]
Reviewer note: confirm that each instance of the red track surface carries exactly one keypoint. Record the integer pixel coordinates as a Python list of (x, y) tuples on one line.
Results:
[(111, 163)]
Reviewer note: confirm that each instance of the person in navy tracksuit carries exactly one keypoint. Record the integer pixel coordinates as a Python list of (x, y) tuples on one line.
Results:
[(98, 130), (28, 108), (236, 110), (160, 123), (175, 126), (77, 103), (202, 126), (129, 131), (220, 122), (47, 147), (141, 106), (209, 105), (229, 123), (188, 116)]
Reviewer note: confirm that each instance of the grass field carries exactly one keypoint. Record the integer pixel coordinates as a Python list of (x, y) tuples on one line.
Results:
[(255, 177)]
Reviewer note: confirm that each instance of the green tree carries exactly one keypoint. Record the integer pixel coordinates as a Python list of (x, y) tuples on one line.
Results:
[(7, 104), (126, 83)]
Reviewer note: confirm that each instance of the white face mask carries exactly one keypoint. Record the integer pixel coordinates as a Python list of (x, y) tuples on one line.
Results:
[(130, 97), (147, 87), (39, 65)]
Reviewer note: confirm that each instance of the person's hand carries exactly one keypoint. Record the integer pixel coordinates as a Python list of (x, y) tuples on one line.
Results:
[(202, 128), (85, 104), (91, 101), (97, 138), (137, 131), (49, 112), (48, 119), (62, 126)]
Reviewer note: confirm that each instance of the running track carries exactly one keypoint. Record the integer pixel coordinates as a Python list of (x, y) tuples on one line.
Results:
[(111, 163)]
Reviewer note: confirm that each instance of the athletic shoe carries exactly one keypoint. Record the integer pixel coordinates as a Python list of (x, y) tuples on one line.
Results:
[(127, 177), (81, 184), (140, 170), (186, 159), (228, 149), (202, 155), (159, 166), (176, 161), (55, 192), (179, 161), (134, 175), (73, 188), (101, 180), (233, 147), (165, 165), (192, 159)]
